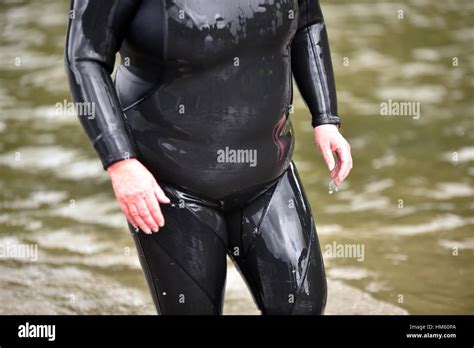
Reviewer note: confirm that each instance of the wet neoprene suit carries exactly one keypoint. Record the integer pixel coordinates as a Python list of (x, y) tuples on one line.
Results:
[(202, 98)]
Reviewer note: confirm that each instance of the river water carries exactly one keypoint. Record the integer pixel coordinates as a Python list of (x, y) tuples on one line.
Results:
[(408, 204)]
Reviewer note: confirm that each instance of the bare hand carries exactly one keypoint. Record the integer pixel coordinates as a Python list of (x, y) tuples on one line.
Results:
[(330, 143), (138, 194)]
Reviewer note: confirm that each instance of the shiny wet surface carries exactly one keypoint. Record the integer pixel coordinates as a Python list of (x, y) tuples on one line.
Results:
[(408, 200)]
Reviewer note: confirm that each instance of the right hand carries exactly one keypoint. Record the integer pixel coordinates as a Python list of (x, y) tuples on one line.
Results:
[(138, 194)]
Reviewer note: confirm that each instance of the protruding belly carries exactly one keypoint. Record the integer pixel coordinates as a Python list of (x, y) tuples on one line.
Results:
[(216, 132)]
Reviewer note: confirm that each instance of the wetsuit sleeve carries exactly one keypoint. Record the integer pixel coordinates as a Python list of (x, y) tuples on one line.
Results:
[(312, 66), (95, 32)]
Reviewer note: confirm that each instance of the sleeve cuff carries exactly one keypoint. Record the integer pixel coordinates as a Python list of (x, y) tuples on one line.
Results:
[(326, 119), (114, 147)]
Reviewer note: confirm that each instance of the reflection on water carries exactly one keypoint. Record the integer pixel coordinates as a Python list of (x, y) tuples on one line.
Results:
[(408, 201)]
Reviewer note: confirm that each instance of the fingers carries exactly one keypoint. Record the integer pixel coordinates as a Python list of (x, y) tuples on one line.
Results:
[(145, 214), (328, 156), (138, 221), (344, 163), (337, 167), (154, 208), (144, 211), (126, 211), (141, 216)]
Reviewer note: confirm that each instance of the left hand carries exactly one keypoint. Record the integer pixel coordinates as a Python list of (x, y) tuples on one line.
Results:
[(330, 143)]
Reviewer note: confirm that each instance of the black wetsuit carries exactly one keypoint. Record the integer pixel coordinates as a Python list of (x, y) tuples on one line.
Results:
[(202, 98)]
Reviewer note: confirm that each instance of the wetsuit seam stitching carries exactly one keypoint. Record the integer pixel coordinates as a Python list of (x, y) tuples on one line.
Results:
[(92, 61), (210, 228), (190, 276), (265, 212), (143, 98)]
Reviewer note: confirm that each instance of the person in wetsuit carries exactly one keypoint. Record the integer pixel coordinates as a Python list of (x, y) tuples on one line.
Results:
[(196, 129)]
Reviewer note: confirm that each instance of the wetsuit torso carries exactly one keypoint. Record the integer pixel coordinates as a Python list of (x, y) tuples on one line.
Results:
[(204, 86), (202, 98)]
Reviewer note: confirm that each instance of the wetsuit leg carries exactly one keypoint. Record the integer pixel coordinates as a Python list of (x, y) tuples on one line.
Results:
[(274, 244), (185, 262)]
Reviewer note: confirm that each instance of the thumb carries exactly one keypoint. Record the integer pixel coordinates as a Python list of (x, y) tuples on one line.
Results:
[(160, 195)]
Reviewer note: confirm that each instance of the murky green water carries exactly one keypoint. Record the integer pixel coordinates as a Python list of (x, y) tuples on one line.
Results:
[(409, 201)]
